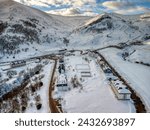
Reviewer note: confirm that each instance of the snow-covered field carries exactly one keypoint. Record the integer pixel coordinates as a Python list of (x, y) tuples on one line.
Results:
[(94, 94), (26, 32), (136, 75), (31, 89), (141, 54), (43, 92)]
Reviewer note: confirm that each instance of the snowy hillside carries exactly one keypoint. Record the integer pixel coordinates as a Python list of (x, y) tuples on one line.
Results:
[(113, 29), (23, 25), (24, 29), (139, 54), (52, 63)]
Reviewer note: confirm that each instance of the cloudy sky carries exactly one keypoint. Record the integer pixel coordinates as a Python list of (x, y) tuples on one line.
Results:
[(89, 7)]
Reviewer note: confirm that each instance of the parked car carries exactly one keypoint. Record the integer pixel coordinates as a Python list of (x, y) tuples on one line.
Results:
[(108, 71)]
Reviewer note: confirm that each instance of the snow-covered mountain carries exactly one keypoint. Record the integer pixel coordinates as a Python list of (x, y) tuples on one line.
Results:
[(102, 48), (113, 29), (23, 25), (24, 29), (57, 7)]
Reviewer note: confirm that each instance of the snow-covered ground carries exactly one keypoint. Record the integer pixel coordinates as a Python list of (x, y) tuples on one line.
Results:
[(137, 75), (95, 95), (141, 54), (43, 92), (44, 76), (53, 33), (58, 32)]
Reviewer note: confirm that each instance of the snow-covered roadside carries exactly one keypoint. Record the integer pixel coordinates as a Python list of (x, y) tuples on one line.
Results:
[(141, 54), (96, 95), (137, 75), (43, 92), (95, 98)]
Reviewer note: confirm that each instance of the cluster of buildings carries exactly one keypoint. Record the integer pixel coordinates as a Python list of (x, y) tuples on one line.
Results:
[(84, 70), (120, 90), (18, 63)]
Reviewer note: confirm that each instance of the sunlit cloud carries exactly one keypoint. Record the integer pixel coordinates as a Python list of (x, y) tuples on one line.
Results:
[(136, 10), (115, 5), (125, 7), (89, 7), (72, 12)]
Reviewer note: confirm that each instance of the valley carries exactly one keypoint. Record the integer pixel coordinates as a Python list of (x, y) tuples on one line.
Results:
[(73, 64)]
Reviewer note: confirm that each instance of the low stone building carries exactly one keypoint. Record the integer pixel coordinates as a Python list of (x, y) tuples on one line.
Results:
[(120, 90)]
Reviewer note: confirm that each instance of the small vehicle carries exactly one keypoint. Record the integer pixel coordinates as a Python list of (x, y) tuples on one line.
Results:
[(107, 71)]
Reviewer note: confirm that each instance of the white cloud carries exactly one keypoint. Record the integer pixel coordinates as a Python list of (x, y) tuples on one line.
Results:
[(83, 2), (135, 10), (66, 7), (66, 12), (71, 12), (116, 4), (74, 3), (42, 2), (124, 7)]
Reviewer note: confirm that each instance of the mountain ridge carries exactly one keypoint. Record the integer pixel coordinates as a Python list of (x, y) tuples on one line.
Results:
[(24, 29)]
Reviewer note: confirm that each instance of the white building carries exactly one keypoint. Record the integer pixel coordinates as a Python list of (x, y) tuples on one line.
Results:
[(18, 63), (120, 90), (62, 83)]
